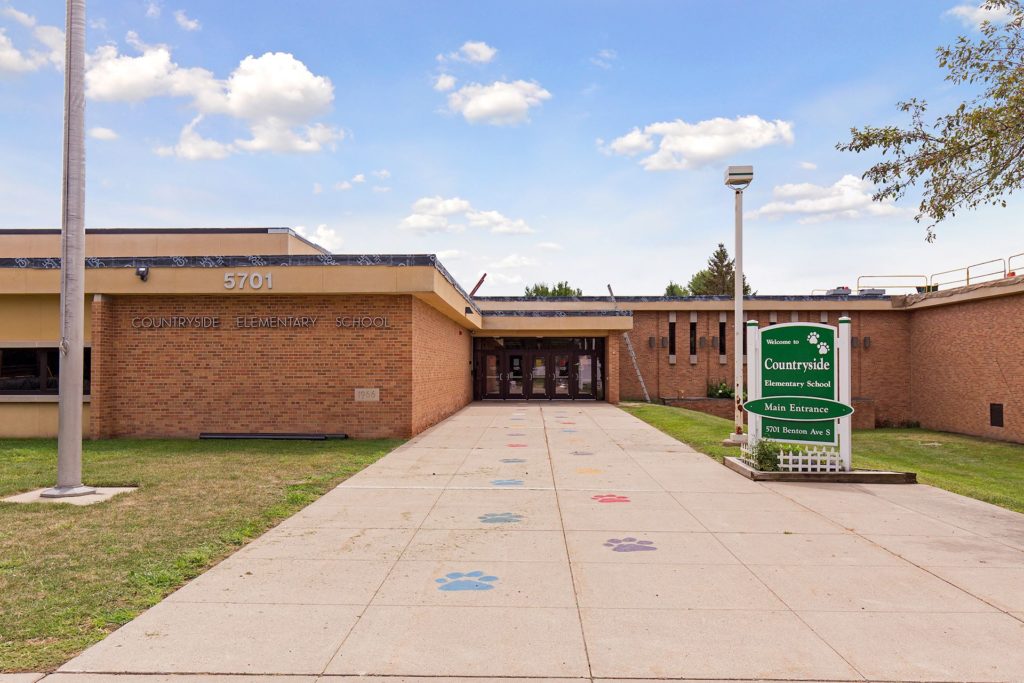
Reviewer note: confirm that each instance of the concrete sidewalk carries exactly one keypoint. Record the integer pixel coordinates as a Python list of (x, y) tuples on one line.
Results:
[(572, 541)]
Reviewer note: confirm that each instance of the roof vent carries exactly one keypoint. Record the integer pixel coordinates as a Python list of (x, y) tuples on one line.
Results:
[(839, 290)]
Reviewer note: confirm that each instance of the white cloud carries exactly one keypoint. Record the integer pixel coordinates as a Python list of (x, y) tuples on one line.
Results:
[(343, 186), (186, 23), (513, 261), (432, 214), (477, 52), (438, 206), (808, 165), (324, 236), (359, 178), (382, 173), (193, 146), (497, 223), (549, 246), (381, 189), (100, 133), (972, 15), (153, 10), (444, 83), (15, 60), (499, 104), (685, 145), (604, 59), (275, 94), (848, 197), (504, 279), (317, 188), (450, 254), (26, 20), (12, 60), (632, 143)]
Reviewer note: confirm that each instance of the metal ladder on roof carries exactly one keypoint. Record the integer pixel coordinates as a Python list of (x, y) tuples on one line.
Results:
[(632, 353)]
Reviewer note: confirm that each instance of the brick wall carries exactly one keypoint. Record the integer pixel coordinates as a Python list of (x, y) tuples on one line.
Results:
[(964, 357), (442, 380), (180, 382), (880, 373)]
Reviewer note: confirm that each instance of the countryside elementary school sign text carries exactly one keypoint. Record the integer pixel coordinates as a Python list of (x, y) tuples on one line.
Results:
[(207, 322)]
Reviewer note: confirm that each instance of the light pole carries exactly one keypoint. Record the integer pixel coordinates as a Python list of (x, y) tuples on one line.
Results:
[(738, 178), (72, 265)]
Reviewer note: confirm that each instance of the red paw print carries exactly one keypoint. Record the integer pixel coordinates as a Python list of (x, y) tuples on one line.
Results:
[(517, 445), (610, 498)]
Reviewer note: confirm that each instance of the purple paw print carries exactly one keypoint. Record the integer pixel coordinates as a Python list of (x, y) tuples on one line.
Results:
[(629, 545)]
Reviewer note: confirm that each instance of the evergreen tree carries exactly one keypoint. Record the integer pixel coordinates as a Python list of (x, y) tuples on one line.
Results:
[(718, 278), (562, 288), (675, 289)]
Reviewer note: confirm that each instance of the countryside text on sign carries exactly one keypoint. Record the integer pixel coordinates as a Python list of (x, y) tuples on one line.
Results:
[(798, 361)]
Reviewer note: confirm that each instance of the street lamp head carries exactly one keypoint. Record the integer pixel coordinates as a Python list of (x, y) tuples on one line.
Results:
[(739, 177)]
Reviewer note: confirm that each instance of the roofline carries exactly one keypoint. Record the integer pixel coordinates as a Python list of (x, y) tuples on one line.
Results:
[(676, 299), (270, 230)]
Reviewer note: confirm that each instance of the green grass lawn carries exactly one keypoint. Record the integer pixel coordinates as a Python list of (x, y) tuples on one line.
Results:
[(69, 575), (992, 471)]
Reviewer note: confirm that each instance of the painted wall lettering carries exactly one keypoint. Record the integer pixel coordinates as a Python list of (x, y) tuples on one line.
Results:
[(361, 321)]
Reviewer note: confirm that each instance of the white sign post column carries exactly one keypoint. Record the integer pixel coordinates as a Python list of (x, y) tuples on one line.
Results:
[(845, 425), (753, 380)]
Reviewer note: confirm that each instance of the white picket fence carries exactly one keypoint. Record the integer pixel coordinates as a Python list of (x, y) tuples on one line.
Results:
[(809, 459)]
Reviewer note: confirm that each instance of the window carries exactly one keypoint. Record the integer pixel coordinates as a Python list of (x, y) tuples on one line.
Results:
[(693, 338), (671, 339), (35, 371), (721, 338), (995, 414)]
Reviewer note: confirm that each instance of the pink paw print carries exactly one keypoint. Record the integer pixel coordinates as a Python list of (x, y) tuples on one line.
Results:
[(610, 498)]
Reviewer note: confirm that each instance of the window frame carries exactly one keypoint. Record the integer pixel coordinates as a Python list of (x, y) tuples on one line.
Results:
[(41, 353)]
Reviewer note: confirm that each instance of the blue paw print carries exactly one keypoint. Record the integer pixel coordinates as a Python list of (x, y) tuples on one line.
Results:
[(500, 518), (507, 482), (470, 581), (513, 460)]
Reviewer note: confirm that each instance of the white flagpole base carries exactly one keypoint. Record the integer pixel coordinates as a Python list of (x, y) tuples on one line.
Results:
[(67, 491)]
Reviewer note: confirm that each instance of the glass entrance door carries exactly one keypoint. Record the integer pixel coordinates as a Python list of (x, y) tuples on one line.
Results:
[(493, 376), (515, 376), (561, 380), (584, 377), (539, 371)]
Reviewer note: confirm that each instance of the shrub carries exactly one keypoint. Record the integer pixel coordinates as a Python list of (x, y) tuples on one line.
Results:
[(765, 454), (721, 389)]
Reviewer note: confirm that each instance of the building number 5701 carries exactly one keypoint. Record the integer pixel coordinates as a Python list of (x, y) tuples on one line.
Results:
[(252, 280)]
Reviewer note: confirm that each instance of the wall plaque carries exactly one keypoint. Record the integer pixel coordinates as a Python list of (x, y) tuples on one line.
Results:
[(367, 395)]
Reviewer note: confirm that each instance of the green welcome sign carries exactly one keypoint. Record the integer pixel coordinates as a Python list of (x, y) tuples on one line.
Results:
[(794, 382)]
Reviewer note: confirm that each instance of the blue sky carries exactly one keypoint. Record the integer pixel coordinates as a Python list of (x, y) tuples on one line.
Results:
[(535, 141)]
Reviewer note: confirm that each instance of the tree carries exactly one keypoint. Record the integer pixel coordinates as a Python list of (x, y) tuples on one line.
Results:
[(562, 288), (974, 155), (675, 289), (718, 278)]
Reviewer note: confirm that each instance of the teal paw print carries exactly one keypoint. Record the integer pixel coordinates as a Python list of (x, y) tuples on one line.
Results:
[(470, 581), (500, 518)]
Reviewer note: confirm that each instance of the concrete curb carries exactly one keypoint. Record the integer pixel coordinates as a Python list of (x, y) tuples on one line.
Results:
[(855, 477)]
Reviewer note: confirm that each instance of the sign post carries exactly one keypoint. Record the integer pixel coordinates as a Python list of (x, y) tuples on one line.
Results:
[(799, 386)]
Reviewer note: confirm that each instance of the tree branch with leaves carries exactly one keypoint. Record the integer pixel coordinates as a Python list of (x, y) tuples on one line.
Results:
[(973, 155)]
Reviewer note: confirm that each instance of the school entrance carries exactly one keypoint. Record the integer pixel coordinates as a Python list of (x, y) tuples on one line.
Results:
[(538, 368)]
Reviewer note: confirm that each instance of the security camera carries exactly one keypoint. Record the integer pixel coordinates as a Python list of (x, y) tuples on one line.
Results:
[(738, 177)]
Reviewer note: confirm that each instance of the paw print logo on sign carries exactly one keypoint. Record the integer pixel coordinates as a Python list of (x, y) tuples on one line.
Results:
[(823, 348), (470, 581), (629, 545), (812, 338)]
